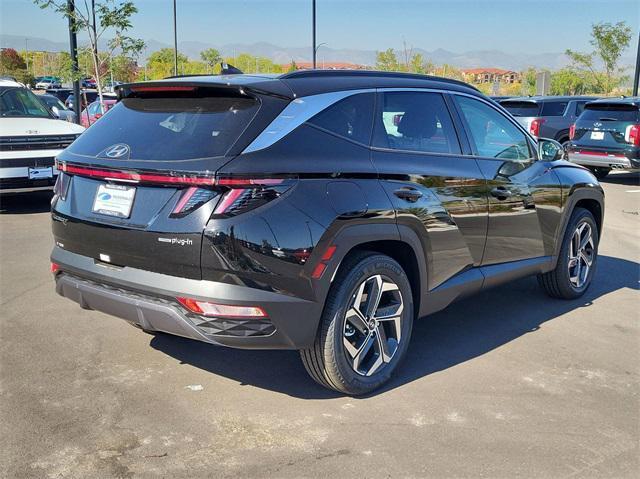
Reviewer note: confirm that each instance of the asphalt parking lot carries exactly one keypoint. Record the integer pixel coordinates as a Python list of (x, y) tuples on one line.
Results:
[(506, 384)]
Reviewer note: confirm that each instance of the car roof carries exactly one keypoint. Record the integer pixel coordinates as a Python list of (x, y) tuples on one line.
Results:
[(313, 82), (11, 83), (542, 99), (629, 100)]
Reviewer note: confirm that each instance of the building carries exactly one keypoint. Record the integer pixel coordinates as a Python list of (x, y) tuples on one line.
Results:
[(322, 65), (490, 75)]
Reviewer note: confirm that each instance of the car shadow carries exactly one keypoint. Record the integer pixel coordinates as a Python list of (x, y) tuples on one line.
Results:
[(622, 178), (25, 203), (439, 342)]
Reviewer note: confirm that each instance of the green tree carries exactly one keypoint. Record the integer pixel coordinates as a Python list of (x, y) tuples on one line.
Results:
[(292, 67), (529, 81), (417, 64), (160, 63), (211, 57), (609, 42), (95, 20), (387, 61)]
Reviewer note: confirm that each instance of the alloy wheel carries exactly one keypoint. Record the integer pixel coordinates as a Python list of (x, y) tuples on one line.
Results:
[(373, 325), (581, 254)]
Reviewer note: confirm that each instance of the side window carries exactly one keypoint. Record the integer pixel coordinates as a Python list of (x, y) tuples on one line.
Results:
[(415, 121), (580, 107), (493, 135), (350, 118), (554, 108)]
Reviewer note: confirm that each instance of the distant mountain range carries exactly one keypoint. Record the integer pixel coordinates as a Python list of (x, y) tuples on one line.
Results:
[(469, 59)]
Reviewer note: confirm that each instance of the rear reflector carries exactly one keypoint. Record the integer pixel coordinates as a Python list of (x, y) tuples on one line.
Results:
[(206, 308), (324, 259)]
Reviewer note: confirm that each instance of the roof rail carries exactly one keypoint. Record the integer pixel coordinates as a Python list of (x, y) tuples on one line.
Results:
[(372, 73)]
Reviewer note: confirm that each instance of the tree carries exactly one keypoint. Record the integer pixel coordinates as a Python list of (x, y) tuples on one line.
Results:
[(160, 63), (609, 42), (95, 20), (211, 57), (292, 67), (13, 64), (387, 61)]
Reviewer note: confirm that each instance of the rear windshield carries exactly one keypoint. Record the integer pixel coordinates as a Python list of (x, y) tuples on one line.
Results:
[(521, 108), (165, 129), (610, 112)]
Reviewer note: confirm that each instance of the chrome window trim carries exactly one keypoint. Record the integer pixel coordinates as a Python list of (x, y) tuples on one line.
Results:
[(296, 113)]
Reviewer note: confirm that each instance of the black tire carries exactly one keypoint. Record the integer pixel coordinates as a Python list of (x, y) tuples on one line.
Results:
[(600, 172), (328, 361), (558, 282)]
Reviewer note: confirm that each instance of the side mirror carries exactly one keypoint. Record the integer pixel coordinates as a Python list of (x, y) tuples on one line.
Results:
[(549, 149), (55, 111)]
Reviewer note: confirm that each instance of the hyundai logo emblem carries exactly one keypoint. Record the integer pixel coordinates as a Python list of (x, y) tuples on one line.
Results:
[(117, 151)]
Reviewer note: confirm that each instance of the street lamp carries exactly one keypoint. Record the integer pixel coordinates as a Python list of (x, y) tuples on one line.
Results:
[(175, 40), (315, 54)]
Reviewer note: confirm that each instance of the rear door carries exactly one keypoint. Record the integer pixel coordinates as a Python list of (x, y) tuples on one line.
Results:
[(435, 189), (137, 188)]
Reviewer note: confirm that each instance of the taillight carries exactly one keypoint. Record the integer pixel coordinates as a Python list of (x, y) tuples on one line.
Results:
[(632, 135), (55, 267), (534, 128), (246, 194), (206, 308), (191, 199), (572, 131)]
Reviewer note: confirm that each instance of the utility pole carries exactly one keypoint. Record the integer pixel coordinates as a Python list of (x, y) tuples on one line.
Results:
[(175, 40), (636, 76), (73, 50), (313, 21)]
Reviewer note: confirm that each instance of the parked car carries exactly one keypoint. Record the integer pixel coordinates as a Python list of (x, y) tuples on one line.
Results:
[(547, 116), (94, 112), (86, 97), (110, 86), (61, 93), (48, 82), (30, 138), (58, 109), (88, 83), (606, 136), (296, 212)]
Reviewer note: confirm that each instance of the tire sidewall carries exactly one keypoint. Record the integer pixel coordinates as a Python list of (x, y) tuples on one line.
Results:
[(367, 267)]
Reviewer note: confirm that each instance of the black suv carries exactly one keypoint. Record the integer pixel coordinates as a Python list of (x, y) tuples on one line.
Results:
[(606, 136), (321, 211)]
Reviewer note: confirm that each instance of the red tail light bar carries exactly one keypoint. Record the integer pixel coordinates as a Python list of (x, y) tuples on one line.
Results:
[(165, 179)]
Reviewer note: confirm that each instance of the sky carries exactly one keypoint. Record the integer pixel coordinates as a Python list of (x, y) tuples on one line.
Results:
[(510, 26)]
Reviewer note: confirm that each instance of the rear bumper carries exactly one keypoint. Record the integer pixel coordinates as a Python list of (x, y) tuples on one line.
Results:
[(147, 300), (604, 159)]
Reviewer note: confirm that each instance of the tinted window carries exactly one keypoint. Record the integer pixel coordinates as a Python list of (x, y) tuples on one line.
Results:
[(167, 129), (349, 118), (610, 112), (521, 108), (415, 121), (20, 102), (580, 107), (492, 133), (554, 108)]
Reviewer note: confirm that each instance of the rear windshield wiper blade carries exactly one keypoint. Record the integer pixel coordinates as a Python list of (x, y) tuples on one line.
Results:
[(606, 118)]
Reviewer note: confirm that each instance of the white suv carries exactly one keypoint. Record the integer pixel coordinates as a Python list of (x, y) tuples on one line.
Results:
[(30, 138)]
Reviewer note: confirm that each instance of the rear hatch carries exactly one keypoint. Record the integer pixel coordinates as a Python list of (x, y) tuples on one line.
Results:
[(524, 111), (605, 126), (138, 188)]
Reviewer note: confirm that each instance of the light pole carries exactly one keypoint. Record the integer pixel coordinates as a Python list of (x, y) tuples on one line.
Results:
[(313, 21), (315, 54), (73, 47), (636, 76), (175, 40)]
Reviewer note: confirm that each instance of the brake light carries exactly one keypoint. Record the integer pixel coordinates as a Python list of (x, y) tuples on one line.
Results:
[(632, 135), (206, 308), (572, 131), (534, 128), (157, 178), (246, 194), (156, 89)]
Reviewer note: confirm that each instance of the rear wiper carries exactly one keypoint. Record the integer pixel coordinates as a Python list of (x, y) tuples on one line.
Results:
[(608, 119)]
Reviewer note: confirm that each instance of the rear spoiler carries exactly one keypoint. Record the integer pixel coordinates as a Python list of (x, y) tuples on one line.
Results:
[(271, 87)]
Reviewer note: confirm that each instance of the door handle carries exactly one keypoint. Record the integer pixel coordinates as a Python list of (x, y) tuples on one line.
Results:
[(501, 193), (408, 194)]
